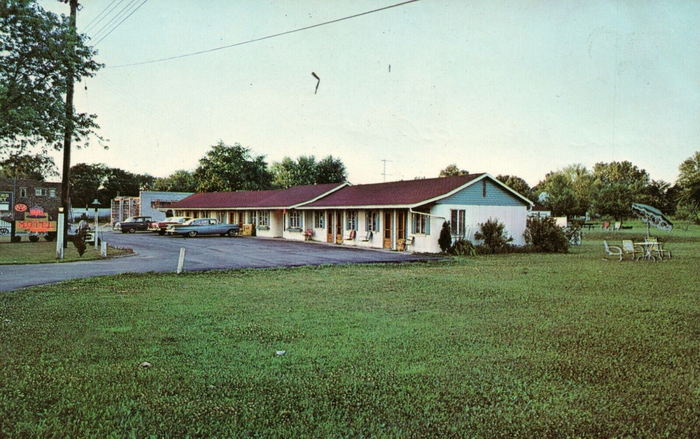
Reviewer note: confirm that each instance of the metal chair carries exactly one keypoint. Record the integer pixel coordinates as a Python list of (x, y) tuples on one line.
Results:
[(612, 250), (629, 248)]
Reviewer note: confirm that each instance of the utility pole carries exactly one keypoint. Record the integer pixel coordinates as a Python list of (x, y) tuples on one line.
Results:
[(68, 133), (384, 174)]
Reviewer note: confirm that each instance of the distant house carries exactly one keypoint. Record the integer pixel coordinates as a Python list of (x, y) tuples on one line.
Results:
[(155, 204), (399, 215), (32, 193)]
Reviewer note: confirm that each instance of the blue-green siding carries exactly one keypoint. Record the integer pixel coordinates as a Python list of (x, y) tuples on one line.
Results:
[(473, 195)]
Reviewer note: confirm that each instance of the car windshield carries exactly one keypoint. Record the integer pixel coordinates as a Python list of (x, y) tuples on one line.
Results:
[(131, 219), (189, 222)]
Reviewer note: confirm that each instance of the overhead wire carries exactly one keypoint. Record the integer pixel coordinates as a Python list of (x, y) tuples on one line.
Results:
[(99, 17), (107, 26), (123, 20), (267, 37)]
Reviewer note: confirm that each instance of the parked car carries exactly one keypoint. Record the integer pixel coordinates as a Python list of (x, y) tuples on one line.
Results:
[(134, 223), (161, 226), (203, 226)]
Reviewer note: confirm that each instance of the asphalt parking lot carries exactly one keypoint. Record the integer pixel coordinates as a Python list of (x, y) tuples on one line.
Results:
[(160, 254)]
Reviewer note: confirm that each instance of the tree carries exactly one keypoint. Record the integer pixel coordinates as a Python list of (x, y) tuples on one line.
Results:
[(557, 194), (232, 168), (616, 185), (178, 181), (86, 181), (452, 170), (118, 182), (516, 183), (566, 191), (689, 188), (305, 170), (330, 170), (33, 69), (36, 167)]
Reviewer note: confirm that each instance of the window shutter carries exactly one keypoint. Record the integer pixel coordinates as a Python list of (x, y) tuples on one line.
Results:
[(427, 225)]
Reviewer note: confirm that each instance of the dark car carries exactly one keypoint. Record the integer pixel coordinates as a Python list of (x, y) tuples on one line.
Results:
[(135, 223)]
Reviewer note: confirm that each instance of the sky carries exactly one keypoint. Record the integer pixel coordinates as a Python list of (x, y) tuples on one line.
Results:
[(505, 87)]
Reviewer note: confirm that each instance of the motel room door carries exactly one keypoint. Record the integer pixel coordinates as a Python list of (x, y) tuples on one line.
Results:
[(387, 229), (329, 226), (401, 230), (338, 226)]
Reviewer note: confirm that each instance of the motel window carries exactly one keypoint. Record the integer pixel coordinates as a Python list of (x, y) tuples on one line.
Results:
[(52, 192), (421, 224), (39, 191), (372, 221), (457, 227), (319, 219), (23, 192), (264, 218), (295, 219), (351, 220)]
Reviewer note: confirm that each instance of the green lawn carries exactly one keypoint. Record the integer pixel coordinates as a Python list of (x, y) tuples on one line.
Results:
[(43, 252), (520, 345)]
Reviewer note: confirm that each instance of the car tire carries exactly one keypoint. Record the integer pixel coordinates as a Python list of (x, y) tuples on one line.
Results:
[(192, 233), (132, 230), (232, 233), (161, 232)]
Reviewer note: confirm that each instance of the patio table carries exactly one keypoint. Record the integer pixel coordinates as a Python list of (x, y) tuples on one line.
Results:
[(647, 247)]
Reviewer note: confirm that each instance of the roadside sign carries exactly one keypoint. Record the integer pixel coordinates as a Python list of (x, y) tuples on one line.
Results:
[(5, 201), (20, 207)]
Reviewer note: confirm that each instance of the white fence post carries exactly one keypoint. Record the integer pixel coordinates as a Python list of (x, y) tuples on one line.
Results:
[(103, 249), (181, 261)]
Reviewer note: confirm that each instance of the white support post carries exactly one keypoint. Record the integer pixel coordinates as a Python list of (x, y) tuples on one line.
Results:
[(96, 231), (59, 237), (181, 261), (103, 250)]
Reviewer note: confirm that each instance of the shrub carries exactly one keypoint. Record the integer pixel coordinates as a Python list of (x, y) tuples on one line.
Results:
[(463, 247), (79, 241), (543, 235), (33, 238), (445, 239), (50, 236), (493, 233)]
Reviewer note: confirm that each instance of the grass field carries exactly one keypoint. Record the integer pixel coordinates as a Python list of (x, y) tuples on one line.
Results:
[(520, 345), (45, 252)]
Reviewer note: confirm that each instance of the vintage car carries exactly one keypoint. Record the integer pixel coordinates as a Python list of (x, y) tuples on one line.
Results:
[(135, 223), (161, 226), (203, 226)]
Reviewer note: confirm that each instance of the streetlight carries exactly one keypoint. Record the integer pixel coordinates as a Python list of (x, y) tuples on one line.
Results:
[(95, 203)]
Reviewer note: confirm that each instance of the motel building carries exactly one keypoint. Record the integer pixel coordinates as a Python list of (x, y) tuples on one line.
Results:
[(399, 215)]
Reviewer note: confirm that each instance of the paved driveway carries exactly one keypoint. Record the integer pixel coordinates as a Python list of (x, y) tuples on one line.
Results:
[(160, 254)]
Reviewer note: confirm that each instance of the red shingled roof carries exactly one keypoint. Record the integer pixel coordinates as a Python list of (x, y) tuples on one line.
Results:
[(394, 193), (255, 199)]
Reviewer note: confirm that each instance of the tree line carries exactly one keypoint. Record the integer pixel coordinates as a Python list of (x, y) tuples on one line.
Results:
[(609, 189), (223, 168)]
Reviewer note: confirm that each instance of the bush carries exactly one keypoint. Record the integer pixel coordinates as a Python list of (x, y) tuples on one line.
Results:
[(79, 241), (463, 247), (493, 233), (50, 236), (33, 238), (543, 235), (445, 239)]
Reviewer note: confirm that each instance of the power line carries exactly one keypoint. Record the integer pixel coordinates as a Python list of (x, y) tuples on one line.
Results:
[(267, 37), (99, 17), (123, 20), (113, 19)]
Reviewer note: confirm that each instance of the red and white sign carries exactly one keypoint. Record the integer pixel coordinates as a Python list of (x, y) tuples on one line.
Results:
[(20, 207)]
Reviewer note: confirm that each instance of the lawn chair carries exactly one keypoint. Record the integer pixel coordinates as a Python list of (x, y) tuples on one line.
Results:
[(617, 225), (612, 250), (629, 248)]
